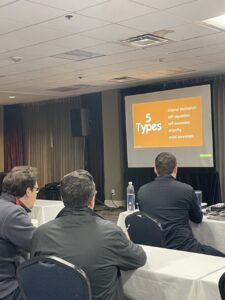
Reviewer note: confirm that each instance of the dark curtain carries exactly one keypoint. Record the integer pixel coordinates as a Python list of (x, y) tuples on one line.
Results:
[(206, 180), (13, 137), (94, 159)]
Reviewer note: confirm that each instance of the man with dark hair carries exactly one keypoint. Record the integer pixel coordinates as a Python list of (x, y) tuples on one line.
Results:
[(81, 237), (173, 204), (19, 190)]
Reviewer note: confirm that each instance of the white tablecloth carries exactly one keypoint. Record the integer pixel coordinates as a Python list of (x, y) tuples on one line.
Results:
[(34, 222), (45, 210), (208, 286), (173, 275), (209, 232)]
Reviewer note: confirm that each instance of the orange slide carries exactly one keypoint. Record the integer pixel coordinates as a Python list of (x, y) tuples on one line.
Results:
[(168, 123)]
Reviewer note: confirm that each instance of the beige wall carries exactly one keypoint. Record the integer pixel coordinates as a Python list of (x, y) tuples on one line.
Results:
[(1, 141), (112, 140)]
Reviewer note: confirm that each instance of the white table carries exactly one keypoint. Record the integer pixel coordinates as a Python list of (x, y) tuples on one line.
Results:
[(45, 210), (34, 222), (208, 286), (173, 275), (209, 232)]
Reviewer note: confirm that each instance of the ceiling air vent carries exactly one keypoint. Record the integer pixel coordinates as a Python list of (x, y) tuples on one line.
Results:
[(78, 55), (146, 40), (70, 88)]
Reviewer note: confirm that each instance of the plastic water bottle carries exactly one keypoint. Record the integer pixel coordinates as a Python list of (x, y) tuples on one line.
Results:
[(130, 197)]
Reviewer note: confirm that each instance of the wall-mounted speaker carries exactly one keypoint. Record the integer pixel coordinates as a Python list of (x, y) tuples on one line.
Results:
[(80, 122)]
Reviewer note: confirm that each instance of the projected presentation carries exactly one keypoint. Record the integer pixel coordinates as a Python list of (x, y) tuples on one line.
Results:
[(178, 121), (168, 123)]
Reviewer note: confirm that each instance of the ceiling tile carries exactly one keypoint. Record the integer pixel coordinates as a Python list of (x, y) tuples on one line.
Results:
[(11, 43), (162, 4), (117, 10), (18, 68), (36, 34), (112, 33), (7, 25), (205, 41), (75, 41), (190, 31), (154, 22), (34, 52), (29, 13), (109, 60), (69, 5), (48, 61), (109, 48), (199, 10), (76, 24)]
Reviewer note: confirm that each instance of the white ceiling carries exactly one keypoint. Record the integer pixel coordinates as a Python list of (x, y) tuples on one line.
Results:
[(39, 32)]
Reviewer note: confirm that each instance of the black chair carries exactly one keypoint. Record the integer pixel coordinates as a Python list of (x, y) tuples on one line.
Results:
[(143, 229), (221, 285), (50, 191), (52, 278)]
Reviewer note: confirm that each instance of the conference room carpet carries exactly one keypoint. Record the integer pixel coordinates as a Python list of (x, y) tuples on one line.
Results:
[(110, 214)]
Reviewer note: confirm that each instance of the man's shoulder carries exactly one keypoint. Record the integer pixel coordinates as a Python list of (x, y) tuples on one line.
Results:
[(9, 209), (146, 186), (172, 183), (46, 226), (182, 185), (106, 224), (104, 228)]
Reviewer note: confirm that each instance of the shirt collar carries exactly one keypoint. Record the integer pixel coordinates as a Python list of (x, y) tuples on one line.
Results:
[(15, 200), (167, 176), (79, 211), (23, 206)]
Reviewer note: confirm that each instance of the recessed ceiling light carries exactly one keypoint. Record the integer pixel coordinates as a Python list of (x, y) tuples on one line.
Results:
[(12, 97), (218, 22)]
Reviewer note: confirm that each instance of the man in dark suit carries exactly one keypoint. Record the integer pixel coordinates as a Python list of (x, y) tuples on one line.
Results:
[(173, 204), (83, 238)]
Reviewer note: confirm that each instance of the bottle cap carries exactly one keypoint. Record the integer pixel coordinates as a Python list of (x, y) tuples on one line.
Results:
[(130, 182)]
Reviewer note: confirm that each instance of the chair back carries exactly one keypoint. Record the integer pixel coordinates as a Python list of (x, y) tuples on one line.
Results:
[(52, 278), (221, 285), (144, 230)]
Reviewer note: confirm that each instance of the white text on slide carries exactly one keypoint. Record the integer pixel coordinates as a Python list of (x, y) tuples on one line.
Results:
[(148, 127)]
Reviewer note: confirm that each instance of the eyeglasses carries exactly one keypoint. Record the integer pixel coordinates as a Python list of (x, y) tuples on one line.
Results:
[(36, 189)]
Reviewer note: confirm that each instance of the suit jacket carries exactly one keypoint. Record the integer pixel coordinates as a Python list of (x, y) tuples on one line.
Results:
[(173, 204), (97, 246)]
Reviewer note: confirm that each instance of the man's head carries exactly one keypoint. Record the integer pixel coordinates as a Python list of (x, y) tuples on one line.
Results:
[(21, 182), (165, 164), (78, 189)]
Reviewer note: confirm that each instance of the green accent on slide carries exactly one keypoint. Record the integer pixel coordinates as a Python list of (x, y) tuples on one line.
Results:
[(205, 155)]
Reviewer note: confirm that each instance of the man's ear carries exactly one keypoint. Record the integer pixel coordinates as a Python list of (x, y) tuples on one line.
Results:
[(156, 171), (174, 174), (175, 170), (28, 191), (92, 202)]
